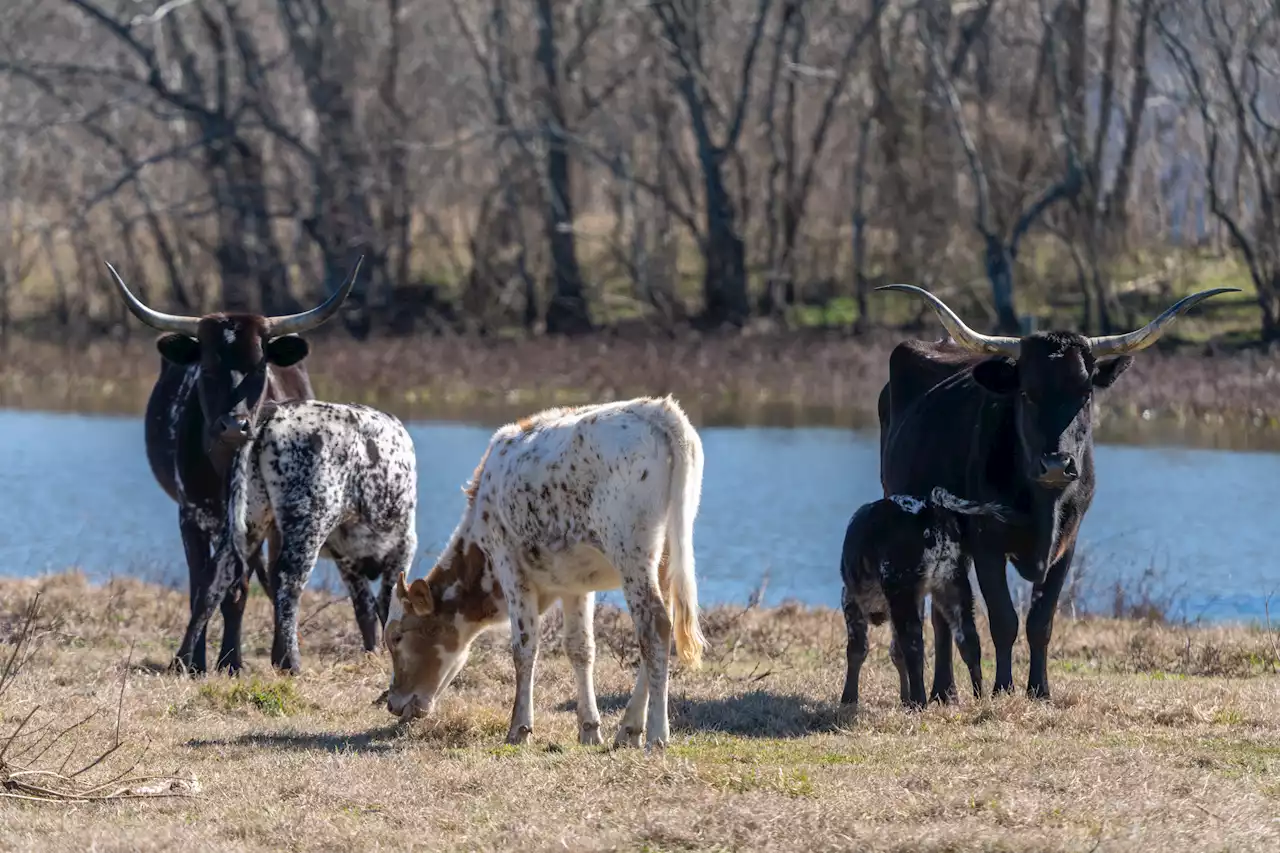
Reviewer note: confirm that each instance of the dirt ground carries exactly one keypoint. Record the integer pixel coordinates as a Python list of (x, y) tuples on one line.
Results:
[(1157, 738)]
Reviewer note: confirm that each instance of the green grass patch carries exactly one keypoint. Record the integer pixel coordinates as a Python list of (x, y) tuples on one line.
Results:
[(277, 698)]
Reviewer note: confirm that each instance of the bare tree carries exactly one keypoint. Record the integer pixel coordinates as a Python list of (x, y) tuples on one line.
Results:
[(791, 172), (684, 27), (567, 307), (1001, 248), (1228, 54)]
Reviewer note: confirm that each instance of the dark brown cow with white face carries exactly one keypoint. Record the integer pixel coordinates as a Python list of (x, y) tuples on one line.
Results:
[(217, 372)]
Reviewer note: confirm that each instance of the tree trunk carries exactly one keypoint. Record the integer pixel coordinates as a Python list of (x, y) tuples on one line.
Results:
[(1269, 302), (724, 285), (567, 312), (1000, 273)]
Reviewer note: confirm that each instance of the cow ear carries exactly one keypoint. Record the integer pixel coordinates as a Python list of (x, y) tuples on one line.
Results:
[(420, 601), (286, 350), (179, 349), (1109, 371), (999, 376)]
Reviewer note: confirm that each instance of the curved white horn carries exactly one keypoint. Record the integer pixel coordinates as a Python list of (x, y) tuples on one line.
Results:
[(963, 335), (155, 319), (1150, 333), (296, 324)]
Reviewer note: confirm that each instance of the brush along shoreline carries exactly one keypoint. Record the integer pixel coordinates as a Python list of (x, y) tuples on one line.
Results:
[(804, 377)]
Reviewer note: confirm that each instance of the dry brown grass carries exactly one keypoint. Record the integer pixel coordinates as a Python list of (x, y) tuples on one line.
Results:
[(1228, 400), (1156, 739)]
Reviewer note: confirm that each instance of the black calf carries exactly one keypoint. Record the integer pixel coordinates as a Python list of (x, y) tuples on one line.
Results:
[(897, 550)]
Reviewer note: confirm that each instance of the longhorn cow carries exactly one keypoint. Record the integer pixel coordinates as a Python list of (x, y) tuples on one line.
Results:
[(216, 373), (1006, 420)]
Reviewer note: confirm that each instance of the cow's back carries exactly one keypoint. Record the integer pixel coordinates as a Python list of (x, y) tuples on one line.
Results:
[(333, 457)]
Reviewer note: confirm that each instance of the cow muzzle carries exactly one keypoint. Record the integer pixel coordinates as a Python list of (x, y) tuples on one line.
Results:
[(1057, 470), (232, 430), (406, 709)]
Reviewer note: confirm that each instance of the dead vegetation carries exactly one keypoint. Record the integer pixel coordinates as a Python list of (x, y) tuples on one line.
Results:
[(1228, 400), (1158, 737), (28, 751)]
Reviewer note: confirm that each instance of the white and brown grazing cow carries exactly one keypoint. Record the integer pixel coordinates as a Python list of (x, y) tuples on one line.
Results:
[(333, 480), (562, 505)]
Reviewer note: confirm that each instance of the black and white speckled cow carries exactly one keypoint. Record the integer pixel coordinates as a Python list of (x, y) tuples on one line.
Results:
[(334, 480), (897, 550)]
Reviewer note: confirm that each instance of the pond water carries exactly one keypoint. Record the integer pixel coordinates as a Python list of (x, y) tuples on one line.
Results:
[(78, 493)]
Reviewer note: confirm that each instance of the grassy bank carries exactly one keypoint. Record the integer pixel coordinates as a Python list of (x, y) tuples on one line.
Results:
[(1231, 399), (1157, 738)]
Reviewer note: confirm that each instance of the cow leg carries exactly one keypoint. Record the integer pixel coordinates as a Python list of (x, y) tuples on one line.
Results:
[(631, 727), (955, 603), (293, 570), (233, 604), (855, 623), (266, 570), (944, 677), (399, 560), (228, 571), (908, 629), (362, 600), (653, 632), (900, 664), (195, 542), (522, 609), (1044, 606), (580, 647), (1001, 613)]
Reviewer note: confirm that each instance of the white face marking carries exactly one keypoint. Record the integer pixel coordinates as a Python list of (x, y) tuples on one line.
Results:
[(229, 335), (908, 503), (236, 378)]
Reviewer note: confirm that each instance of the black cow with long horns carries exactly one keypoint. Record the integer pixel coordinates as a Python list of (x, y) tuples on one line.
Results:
[(216, 374), (1006, 420)]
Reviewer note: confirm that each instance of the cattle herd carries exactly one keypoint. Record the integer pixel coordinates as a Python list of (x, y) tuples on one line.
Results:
[(986, 451)]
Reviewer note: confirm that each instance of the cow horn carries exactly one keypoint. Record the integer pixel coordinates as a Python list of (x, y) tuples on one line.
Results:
[(1150, 333), (963, 335), (156, 320), (296, 324)]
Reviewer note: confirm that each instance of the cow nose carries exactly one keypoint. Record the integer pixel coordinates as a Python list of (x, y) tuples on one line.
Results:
[(233, 429), (1058, 469)]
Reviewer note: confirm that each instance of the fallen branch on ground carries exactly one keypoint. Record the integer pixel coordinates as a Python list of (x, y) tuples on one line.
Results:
[(21, 751)]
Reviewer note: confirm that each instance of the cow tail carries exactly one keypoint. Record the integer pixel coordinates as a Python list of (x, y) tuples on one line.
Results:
[(238, 503), (682, 508), (943, 498)]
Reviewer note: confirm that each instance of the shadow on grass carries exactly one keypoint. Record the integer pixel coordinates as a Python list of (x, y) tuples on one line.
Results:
[(758, 713), (374, 740)]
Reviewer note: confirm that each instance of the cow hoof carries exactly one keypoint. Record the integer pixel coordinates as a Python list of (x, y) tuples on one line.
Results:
[(943, 697), (656, 746), (1038, 691), (589, 734), (519, 735), (178, 666), (628, 737)]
